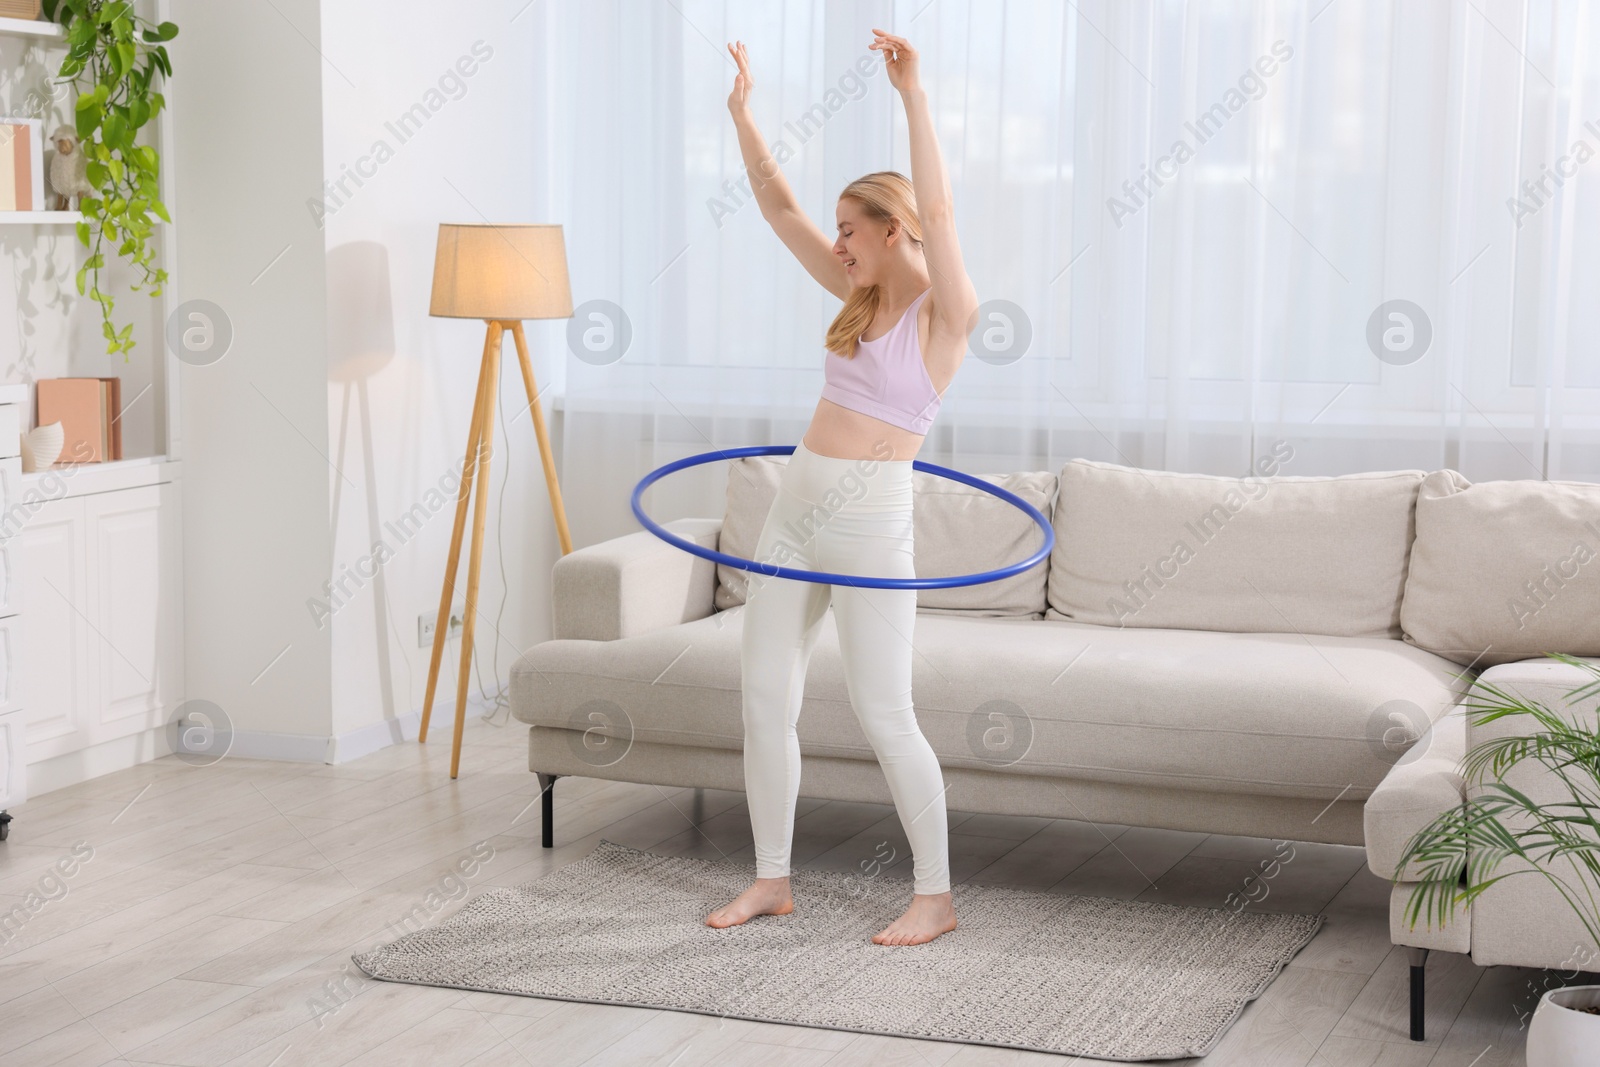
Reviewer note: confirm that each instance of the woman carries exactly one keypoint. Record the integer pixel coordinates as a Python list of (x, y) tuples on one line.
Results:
[(890, 354)]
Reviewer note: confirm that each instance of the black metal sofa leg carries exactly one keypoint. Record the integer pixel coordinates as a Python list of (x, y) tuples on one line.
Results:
[(547, 807), (1419, 956)]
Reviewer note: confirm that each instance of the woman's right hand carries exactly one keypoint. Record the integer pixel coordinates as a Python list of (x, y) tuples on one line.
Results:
[(743, 83)]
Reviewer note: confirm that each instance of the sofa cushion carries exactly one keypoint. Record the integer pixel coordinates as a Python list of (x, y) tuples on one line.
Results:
[(1257, 714), (1279, 554), (1502, 571), (957, 530)]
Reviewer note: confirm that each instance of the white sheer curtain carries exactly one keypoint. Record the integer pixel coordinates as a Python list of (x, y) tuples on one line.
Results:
[(1193, 209)]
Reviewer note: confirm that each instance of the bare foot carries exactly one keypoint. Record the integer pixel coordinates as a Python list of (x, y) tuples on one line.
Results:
[(766, 896), (929, 915)]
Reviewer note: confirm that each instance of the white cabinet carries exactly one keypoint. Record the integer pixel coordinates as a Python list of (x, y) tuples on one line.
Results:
[(13, 743), (9, 697), (100, 583), (13, 765), (134, 580), (49, 579), (13, 746)]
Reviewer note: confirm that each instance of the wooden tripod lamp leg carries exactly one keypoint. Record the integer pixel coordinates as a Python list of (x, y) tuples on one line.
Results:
[(441, 628), (480, 443), (544, 439), (480, 510)]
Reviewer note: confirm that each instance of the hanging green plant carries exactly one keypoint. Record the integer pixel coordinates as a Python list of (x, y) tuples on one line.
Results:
[(115, 58)]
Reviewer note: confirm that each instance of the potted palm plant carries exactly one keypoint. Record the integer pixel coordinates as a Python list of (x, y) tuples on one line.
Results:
[(1501, 832)]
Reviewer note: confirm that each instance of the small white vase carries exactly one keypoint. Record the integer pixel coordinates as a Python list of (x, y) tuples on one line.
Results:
[(1560, 1035), (42, 445)]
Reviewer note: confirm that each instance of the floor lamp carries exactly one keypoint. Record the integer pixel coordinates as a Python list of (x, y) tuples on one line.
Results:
[(501, 274)]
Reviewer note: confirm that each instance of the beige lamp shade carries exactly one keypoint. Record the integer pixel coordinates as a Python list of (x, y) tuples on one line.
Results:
[(500, 272)]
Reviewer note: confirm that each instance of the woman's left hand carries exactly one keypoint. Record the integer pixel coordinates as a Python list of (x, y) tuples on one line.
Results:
[(899, 59)]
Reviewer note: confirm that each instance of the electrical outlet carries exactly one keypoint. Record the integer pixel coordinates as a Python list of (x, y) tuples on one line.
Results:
[(427, 623)]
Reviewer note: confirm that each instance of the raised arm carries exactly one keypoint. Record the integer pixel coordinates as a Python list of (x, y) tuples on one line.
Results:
[(955, 301), (800, 235)]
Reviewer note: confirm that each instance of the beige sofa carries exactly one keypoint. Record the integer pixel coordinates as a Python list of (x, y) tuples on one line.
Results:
[(1254, 656)]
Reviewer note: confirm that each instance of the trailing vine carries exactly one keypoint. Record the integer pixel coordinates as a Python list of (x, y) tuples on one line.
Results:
[(115, 58)]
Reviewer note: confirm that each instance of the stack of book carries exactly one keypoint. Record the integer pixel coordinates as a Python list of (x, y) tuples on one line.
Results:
[(21, 164), (89, 410)]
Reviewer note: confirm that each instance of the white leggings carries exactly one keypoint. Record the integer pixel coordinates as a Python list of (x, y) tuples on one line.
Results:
[(843, 516)]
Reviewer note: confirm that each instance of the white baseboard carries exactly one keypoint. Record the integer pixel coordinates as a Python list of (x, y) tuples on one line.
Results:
[(108, 757), (289, 748), (370, 738)]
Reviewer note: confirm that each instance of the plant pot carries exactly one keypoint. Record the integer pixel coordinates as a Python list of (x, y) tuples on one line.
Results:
[(19, 9), (1560, 1035)]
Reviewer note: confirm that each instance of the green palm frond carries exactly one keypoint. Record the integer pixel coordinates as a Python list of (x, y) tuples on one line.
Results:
[(1459, 856), (1583, 692)]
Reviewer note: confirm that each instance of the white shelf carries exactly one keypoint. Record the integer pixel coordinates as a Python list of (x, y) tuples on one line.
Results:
[(39, 218), (30, 28), (84, 479)]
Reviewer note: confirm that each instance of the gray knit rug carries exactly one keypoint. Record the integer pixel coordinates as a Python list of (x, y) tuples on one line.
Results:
[(1085, 976)]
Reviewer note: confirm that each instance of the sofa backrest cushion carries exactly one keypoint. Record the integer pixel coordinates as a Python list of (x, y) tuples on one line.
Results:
[(1503, 571), (962, 530), (1270, 554), (957, 530)]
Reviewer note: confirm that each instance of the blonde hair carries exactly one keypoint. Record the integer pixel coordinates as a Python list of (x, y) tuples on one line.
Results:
[(884, 195)]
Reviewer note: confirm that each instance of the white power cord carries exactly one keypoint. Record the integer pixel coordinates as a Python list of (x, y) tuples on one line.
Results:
[(502, 693)]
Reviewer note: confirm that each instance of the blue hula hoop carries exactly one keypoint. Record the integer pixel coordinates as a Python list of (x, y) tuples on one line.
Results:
[(843, 579)]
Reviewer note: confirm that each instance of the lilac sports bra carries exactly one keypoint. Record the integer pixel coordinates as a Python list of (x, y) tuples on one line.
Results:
[(887, 378)]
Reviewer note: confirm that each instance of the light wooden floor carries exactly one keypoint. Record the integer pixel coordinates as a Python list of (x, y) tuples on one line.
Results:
[(214, 921)]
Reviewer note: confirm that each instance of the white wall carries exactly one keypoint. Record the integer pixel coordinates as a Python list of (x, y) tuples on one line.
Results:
[(247, 96), (343, 407), (400, 384)]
